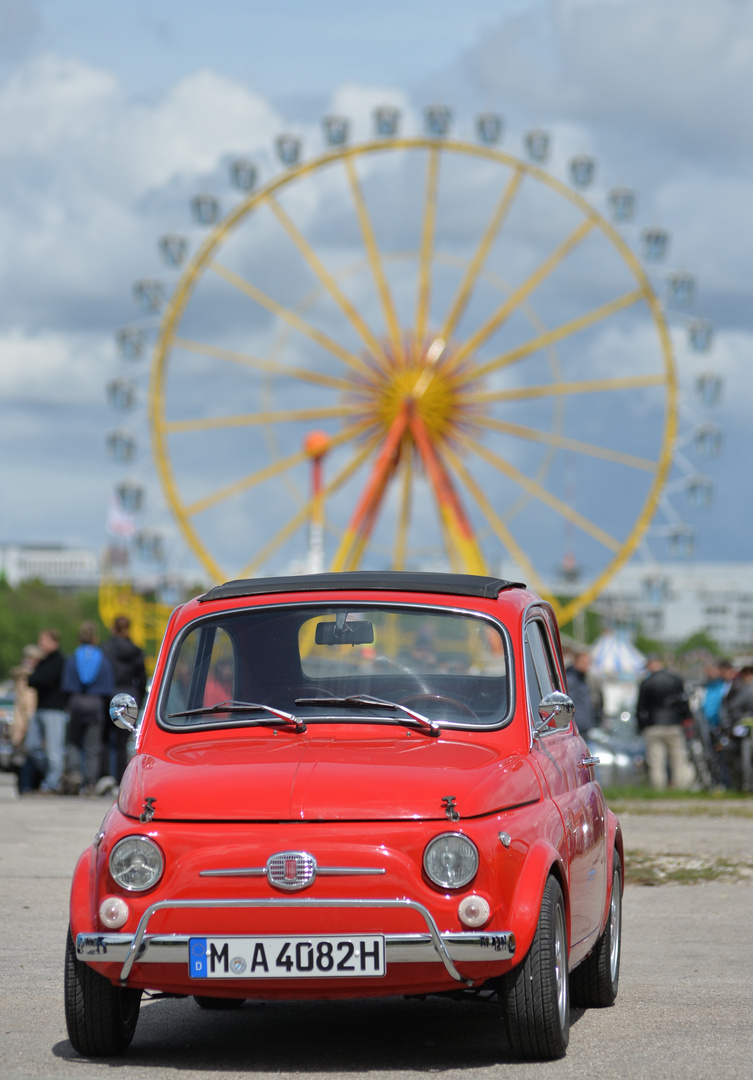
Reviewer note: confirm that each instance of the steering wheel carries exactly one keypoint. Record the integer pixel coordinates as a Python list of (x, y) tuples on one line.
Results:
[(460, 706)]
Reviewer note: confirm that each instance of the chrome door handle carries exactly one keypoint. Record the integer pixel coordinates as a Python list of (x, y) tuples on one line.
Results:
[(590, 761)]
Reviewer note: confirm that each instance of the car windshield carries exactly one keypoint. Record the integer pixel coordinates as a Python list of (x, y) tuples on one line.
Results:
[(315, 661)]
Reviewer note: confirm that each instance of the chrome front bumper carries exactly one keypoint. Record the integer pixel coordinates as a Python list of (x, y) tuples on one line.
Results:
[(431, 947)]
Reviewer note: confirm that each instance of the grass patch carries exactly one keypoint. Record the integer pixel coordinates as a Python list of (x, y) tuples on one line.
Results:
[(648, 868), (643, 791), (644, 800)]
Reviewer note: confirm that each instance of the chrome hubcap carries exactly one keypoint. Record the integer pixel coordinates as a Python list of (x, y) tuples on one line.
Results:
[(560, 963), (615, 927)]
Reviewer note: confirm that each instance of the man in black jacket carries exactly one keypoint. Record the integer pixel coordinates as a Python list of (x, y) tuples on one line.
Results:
[(662, 707), (127, 661), (45, 738)]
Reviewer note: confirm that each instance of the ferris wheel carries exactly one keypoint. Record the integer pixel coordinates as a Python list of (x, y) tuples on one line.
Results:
[(396, 353)]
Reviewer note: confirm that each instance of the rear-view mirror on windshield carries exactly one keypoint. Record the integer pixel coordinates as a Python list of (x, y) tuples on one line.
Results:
[(345, 633)]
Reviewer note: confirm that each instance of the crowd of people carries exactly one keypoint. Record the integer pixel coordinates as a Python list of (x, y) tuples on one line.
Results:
[(672, 717), (62, 740)]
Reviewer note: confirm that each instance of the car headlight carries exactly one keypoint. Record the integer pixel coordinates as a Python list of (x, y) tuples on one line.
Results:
[(451, 860), (136, 863)]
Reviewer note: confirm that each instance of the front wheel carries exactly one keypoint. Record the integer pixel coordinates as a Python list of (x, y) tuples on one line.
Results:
[(593, 984), (535, 993), (101, 1018)]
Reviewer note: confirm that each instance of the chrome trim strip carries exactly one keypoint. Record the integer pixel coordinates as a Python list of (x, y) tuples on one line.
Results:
[(401, 948), (360, 870), (138, 945), (242, 871), (590, 760), (261, 871)]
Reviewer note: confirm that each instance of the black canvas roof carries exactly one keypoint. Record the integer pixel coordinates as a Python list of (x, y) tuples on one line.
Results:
[(372, 580)]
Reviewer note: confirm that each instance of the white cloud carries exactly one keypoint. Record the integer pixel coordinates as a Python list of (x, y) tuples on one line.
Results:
[(679, 66), (52, 368)]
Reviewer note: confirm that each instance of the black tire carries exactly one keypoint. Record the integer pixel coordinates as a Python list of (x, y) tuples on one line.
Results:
[(101, 1018), (214, 1004), (535, 993), (594, 983)]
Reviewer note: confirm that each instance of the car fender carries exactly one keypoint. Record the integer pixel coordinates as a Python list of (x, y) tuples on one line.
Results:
[(541, 860), (83, 894)]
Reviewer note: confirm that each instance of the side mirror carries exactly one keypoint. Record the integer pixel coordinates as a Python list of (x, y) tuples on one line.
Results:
[(556, 711), (124, 712)]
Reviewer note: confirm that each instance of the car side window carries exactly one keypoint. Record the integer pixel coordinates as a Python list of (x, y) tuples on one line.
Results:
[(541, 673)]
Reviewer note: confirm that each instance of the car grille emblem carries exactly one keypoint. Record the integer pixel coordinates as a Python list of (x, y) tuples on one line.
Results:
[(291, 869)]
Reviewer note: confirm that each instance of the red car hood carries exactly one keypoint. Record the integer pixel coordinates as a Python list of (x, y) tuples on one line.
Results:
[(297, 778)]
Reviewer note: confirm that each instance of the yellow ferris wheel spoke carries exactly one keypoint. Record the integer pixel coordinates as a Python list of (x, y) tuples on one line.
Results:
[(427, 244), (523, 291), (563, 443), (267, 473), (306, 511), (494, 520), (325, 277), (558, 333), (539, 492), (560, 389), (375, 261), (272, 366), (292, 318), (401, 536), (284, 416), (476, 264)]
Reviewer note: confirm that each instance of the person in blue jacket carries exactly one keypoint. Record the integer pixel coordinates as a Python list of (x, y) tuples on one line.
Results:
[(89, 681)]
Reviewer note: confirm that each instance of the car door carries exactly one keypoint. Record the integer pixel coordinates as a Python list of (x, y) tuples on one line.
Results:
[(560, 754)]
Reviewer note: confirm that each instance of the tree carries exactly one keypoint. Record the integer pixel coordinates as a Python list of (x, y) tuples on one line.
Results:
[(34, 606)]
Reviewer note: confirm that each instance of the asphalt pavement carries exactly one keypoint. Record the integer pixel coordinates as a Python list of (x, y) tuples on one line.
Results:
[(684, 1010)]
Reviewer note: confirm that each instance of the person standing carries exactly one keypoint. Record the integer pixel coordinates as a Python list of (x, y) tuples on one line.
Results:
[(129, 672), (714, 694), (737, 720), (45, 737), (88, 680), (24, 701), (661, 709), (587, 706)]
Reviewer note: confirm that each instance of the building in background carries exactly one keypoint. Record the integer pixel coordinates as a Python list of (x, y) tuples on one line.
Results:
[(670, 601), (54, 564)]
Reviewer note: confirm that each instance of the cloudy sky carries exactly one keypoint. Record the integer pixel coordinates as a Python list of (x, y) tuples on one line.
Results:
[(114, 116)]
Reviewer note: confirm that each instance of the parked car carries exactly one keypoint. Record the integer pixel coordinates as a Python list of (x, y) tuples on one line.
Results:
[(622, 757), (352, 785)]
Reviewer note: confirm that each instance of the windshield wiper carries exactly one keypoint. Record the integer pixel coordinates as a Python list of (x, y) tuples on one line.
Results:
[(429, 727), (244, 706)]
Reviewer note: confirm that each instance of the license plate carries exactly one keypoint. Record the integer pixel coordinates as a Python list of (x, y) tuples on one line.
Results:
[(274, 957)]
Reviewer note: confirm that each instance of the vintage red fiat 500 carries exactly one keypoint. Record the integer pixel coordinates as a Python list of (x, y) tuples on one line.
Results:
[(351, 785)]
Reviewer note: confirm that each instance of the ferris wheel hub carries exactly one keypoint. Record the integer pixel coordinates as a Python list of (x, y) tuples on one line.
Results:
[(419, 383)]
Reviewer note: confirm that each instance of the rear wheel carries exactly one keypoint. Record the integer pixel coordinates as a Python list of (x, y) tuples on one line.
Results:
[(593, 984), (535, 993), (101, 1018), (214, 1004)]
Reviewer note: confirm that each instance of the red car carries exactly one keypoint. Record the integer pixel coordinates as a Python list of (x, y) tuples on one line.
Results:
[(352, 785)]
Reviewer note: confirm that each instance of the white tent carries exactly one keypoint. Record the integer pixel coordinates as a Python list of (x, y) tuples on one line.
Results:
[(613, 655)]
